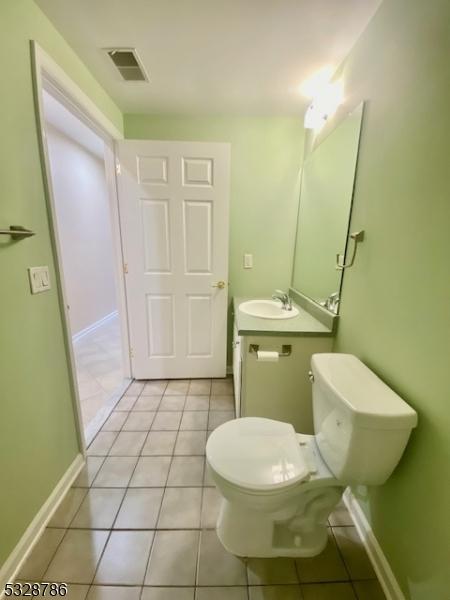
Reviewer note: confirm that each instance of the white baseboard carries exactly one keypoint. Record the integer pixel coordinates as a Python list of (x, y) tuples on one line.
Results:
[(379, 562), (33, 532), (94, 326)]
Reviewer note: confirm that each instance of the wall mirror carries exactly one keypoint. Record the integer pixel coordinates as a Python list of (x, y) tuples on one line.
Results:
[(324, 212)]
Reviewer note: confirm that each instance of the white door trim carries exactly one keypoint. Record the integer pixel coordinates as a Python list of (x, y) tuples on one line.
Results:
[(45, 65), (48, 75)]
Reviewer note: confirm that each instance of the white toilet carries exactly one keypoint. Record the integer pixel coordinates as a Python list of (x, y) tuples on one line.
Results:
[(279, 487)]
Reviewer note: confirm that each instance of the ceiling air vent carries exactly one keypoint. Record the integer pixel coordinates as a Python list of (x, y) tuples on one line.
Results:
[(127, 63)]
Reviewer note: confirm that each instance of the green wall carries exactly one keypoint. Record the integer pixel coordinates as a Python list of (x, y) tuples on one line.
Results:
[(37, 432), (395, 311)]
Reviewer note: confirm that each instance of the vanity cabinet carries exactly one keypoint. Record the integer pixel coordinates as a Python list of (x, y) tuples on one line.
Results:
[(237, 370), (277, 390)]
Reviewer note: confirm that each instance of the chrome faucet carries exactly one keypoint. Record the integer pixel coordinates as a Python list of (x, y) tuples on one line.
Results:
[(283, 298), (332, 302)]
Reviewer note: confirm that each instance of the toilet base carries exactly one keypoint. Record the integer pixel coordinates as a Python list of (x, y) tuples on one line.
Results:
[(251, 533)]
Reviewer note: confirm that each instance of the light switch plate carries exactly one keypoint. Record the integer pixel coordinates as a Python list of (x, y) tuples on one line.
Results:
[(248, 261), (39, 279)]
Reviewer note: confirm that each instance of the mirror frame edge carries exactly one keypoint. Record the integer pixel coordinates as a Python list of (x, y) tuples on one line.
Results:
[(360, 105)]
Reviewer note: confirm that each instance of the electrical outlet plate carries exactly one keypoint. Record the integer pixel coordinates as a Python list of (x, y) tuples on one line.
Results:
[(39, 279)]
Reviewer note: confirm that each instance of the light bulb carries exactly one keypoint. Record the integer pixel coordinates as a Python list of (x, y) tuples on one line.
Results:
[(314, 85)]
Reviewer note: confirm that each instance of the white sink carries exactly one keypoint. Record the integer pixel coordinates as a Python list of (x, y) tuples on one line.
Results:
[(267, 309)]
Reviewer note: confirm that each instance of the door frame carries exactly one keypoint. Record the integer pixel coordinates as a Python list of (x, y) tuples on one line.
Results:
[(49, 76)]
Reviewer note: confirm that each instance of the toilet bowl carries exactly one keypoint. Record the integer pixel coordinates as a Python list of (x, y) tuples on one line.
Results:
[(278, 487), (277, 491)]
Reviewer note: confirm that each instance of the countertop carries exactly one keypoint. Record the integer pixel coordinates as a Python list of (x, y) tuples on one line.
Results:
[(303, 324)]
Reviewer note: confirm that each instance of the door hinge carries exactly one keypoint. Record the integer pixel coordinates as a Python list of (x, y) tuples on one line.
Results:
[(118, 170), (125, 268), (131, 353)]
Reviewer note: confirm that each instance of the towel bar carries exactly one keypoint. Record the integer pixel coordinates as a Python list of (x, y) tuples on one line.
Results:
[(17, 232), (356, 236)]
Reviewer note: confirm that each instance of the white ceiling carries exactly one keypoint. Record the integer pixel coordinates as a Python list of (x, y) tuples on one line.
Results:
[(212, 56), (62, 119)]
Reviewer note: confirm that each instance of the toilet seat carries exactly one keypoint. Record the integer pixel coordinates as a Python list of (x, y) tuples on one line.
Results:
[(257, 454)]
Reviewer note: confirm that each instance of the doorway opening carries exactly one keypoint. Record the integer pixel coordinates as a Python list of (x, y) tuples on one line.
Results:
[(83, 222)]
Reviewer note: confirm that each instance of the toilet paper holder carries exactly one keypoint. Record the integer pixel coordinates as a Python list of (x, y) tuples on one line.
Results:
[(286, 350)]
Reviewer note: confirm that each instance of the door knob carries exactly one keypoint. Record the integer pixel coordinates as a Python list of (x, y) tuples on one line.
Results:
[(219, 284)]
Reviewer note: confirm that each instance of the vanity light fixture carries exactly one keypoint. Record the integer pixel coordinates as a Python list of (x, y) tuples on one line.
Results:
[(314, 119), (324, 105), (313, 86)]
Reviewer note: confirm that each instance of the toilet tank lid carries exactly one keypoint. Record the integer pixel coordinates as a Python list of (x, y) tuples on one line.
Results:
[(374, 403)]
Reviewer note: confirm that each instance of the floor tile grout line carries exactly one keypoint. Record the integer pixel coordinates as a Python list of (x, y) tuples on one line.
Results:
[(115, 518), (220, 586), (176, 430), (101, 556), (78, 509), (355, 593), (161, 455), (160, 507), (134, 404), (144, 487), (297, 571), (85, 467), (168, 471), (156, 528), (113, 409), (167, 410), (301, 591), (246, 561), (53, 554), (341, 554), (153, 542), (96, 436), (112, 526), (202, 496), (197, 562), (351, 578)]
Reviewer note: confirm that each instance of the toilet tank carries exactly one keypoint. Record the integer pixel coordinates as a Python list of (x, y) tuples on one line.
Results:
[(361, 425)]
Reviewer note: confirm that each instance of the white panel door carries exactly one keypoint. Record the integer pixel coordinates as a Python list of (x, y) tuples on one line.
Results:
[(174, 202)]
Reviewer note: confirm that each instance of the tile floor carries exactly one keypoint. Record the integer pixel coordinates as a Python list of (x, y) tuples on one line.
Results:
[(98, 358), (139, 522)]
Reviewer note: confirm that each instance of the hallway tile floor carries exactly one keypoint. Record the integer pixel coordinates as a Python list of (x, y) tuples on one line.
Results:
[(100, 376), (139, 521)]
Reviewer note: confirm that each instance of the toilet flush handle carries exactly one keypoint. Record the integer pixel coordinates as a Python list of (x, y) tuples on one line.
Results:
[(311, 376)]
